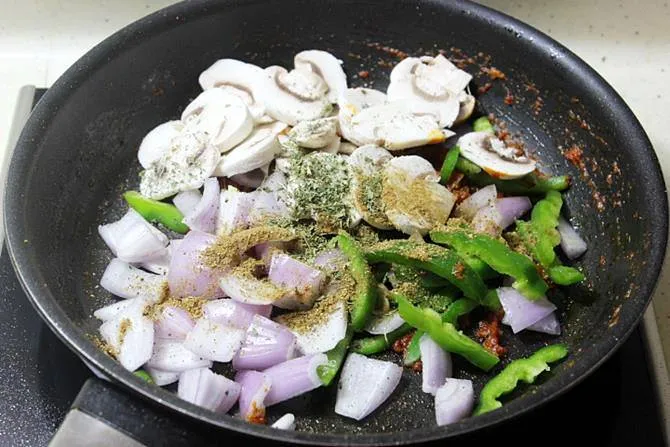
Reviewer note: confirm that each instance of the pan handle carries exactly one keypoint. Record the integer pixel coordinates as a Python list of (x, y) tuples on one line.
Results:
[(105, 415)]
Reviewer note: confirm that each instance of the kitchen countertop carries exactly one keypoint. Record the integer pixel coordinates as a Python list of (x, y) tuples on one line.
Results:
[(627, 43)]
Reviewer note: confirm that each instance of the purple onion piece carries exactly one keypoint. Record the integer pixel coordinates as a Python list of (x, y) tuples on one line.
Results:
[(548, 325), (186, 201), (265, 344), (131, 334), (480, 199), (248, 290), (488, 221), (162, 378), (187, 275), (158, 263), (214, 341), (572, 243), (303, 281), (173, 323), (133, 239), (232, 313), (454, 401), (520, 312), (384, 324), (330, 260), (294, 377), (172, 356), (266, 250), (325, 336), (126, 281), (252, 179), (234, 208), (206, 389), (364, 385), (110, 311), (436, 365), (203, 217), (512, 208), (255, 386)]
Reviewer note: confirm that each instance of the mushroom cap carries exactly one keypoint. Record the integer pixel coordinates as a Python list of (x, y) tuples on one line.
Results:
[(483, 149), (239, 78), (294, 96), (352, 102), (315, 134), (367, 163), (466, 105), (221, 115), (157, 142), (256, 151), (327, 66)]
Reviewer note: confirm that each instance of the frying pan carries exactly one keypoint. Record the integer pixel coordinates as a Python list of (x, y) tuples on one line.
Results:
[(77, 153)]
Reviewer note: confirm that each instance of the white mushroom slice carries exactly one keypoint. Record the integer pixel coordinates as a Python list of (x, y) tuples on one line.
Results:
[(351, 103), (224, 117), (369, 159), (314, 134), (239, 78), (254, 152), (327, 66), (186, 165), (157, 142), (396, 126), (333, 147), (367, 163), (347, 148), (414, 201), (466, 104), (293, 96), (491, 154), (434, 83)]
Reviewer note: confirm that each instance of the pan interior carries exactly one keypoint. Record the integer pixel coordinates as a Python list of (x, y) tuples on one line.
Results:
[(78, 154)]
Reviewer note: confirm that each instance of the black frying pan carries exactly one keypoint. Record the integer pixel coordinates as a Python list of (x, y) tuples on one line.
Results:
[(77, 154)]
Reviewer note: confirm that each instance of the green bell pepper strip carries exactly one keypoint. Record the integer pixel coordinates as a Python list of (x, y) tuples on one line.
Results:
[(565, 276), (492, 302), (467, 167), (379, 343), (433, 258), (531, 184), (327, 372), (366, 286), (449, 164), (445, 334), (482, 124), (454, 311), (498, 256), (481, 267), (157, 212), (142, 374), (526, 370), (427, 280)]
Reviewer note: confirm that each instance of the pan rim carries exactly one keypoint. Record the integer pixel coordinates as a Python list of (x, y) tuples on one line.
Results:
[(51, 312)]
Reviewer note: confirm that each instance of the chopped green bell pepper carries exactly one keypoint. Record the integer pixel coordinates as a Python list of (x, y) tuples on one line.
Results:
[(467, 167), (531, 184), (366, 286), (449, 164), (328, 371), (157, 212), (379, 343), (482, 124), (142, 374)]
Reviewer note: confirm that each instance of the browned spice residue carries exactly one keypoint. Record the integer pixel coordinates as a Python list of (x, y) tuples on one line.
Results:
[(615, 316), (574, 155), (105, 347), (459, 270), (484, 88), (493, 73), (417, 366), (400, 345), (363, 74), (257, 415), (602, 261), (489, 333), (509, 99), (388, 50)]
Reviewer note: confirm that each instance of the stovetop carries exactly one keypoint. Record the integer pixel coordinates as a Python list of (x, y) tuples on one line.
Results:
[(40, 379)]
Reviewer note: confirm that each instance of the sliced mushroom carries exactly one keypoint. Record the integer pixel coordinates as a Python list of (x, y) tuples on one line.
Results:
[(256, 151), (314, 134), (222, 116), (333, 147), (326, 66), (239, 78), (294, 96), (466, 104), (494, 157), (352, 102), (367, 163), (347, 148), (157, 142), (186, 165), (434, 83), (414, 201), (396, 126)]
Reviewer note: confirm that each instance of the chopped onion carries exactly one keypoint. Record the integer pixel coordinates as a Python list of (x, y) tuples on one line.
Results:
[(203, 217), (173, 323), (548, 325), (364, 385), (267, 204), (303, 281), (480, 199), (454, 401), (520, 312), (110, 311), (162, 378), (325, 336), (255, 386), (234, 208), (126, 281), (158, 263), (232, 313), (330, 260), (294, 377), (186, 201), (131, 334), (385, 323), (133, 239), (571, 242), (512, 208), (206, 389), (266, 250), (172, 356), (487, 221), (214, 341), (265, 344), (188, 275), (252, 179), (286, 422), (436, 365), (248, 290)]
